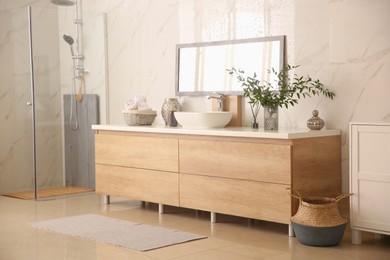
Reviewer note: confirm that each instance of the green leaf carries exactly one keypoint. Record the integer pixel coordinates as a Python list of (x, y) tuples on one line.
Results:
[(261, 93)]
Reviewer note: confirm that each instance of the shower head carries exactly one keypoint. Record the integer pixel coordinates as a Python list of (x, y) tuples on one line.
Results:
[(62, 2), (68, 39)]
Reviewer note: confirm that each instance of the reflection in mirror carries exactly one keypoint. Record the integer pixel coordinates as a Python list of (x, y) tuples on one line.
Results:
[(201, 67)]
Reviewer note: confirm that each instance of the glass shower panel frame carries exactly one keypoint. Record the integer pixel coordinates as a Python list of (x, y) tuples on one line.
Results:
[(35, 64), (47, 99), (65, 154), (16, 158)]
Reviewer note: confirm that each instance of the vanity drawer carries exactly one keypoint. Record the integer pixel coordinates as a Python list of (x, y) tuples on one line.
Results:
[(138, 184), (258, 200), (137, 151), (237, 160)]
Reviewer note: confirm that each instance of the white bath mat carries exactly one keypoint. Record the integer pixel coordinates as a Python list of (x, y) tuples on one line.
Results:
[(117, 232)]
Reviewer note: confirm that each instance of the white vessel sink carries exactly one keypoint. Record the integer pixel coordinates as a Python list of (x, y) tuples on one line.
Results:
[(213, 119)]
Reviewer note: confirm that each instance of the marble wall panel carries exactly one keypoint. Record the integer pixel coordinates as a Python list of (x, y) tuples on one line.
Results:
[(359, 60)]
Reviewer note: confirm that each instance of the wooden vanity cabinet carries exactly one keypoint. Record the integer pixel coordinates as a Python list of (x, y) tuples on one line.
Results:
[(249, 177), (136, 166), (240, 176)]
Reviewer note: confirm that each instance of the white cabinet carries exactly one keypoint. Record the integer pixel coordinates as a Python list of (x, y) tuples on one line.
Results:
[(369, 179)]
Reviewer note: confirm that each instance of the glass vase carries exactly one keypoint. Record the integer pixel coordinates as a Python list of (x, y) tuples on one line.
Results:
[(271, 118), (255, 125)]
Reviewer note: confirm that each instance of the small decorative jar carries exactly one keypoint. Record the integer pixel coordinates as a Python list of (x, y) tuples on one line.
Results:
[(315, 123), (170, 104)]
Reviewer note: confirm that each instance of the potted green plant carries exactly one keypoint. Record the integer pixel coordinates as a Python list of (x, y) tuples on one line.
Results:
[(283, 92)]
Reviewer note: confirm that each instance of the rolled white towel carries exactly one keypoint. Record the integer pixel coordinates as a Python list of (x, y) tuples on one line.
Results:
[(131, 104), (139, 99), (137, 103), (142, 105)]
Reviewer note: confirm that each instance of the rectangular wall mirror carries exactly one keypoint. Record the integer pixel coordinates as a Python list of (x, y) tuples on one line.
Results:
[(201, 67)]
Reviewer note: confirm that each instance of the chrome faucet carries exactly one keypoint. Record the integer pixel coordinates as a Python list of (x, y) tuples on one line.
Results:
[(219, 97)]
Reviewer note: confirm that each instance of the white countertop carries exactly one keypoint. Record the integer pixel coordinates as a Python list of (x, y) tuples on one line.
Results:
[(227, 131)]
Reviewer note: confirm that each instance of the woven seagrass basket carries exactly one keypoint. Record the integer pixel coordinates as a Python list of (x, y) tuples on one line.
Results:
[(137, 117), (318, 221)]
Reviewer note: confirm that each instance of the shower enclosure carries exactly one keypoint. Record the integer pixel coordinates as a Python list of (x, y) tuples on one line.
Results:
[(40, 146)]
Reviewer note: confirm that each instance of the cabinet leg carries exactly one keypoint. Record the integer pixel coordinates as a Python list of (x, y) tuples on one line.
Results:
[(291, 232), (213, 217), (106, 199), (356, 237), (161, 208)]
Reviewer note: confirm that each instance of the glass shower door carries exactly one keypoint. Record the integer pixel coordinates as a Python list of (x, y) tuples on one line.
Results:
[(47, 98), (31, 150), (40, 147), (64, 138), (16, 158)]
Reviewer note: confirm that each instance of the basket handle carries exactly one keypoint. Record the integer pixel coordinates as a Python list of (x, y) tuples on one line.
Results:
[(340, 197), (292, 191)]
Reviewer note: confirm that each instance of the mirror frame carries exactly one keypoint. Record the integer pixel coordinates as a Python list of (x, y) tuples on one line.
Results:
[(280, 38)]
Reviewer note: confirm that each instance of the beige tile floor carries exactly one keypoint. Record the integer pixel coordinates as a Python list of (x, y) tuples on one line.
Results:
[(231, 238)]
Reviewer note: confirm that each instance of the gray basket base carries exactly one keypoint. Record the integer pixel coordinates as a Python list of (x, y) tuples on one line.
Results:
[(319, 236)]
